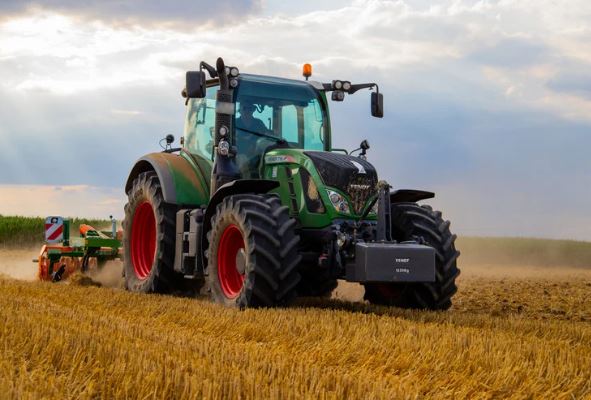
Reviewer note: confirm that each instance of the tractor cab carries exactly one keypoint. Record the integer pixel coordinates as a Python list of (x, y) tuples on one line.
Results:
[(269, 113)]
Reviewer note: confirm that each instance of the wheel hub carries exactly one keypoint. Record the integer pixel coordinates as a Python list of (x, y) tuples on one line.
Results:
[(231, 261), (143, 239), (241, 262)]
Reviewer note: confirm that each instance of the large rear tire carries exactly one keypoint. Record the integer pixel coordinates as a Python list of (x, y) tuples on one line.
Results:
[(253, 253), (148, 238), (413, 222)]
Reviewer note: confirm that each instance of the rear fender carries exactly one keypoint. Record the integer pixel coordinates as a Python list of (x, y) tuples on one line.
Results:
[(180, 181)]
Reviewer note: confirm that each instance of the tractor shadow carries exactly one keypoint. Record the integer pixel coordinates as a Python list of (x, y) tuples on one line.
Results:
[(363, 307), (458, 318)]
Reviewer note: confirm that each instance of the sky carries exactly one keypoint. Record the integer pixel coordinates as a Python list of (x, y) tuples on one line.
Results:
[(487, 103)]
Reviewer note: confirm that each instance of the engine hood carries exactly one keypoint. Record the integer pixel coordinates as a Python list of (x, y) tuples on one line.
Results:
[(351, 175)]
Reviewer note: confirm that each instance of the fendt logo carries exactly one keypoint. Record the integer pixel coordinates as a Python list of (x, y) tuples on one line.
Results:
[(357, 186), (402, 260)]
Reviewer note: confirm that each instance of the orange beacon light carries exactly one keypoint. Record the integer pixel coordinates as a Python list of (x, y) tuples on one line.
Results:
[(307, 71)]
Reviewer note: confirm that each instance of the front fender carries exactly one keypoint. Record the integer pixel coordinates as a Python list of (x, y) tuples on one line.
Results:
[(409, 195), (180, 181)]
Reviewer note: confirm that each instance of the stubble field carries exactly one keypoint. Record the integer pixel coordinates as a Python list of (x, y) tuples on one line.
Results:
[(515, 331)]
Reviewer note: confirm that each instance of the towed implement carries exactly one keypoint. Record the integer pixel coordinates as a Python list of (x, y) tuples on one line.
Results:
[(256, 206), (62, 254)]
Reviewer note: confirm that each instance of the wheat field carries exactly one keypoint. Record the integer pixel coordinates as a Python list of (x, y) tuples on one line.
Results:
[(505, 337)]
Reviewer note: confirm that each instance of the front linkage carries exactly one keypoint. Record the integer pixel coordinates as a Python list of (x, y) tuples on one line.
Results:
[(407, 258)]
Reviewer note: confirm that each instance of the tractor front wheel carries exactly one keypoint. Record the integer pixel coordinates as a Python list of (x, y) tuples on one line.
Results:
[(148, 237), (420, 223), (252, 254)]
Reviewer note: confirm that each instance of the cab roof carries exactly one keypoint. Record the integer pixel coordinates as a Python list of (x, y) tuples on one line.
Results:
[(269, 80)]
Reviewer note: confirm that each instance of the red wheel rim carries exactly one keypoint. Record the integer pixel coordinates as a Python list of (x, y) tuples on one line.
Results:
[(231, 280), (143, 240)]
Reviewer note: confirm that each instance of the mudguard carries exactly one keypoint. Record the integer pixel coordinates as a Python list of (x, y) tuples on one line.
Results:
[(181, 182), (409, 195)]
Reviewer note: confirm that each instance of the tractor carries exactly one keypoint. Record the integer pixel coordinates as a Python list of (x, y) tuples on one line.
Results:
[(256, 207)]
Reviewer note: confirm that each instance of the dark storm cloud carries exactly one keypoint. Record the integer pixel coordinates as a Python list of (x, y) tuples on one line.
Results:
[(123, 12)]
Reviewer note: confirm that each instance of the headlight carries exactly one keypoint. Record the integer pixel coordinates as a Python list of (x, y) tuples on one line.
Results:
[(337, 85), (338, 202), (346, 85), (311, 196)]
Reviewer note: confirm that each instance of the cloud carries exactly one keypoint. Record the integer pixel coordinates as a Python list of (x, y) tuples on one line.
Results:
[(183, 13), (67, 201), (512, 53), (486, 102), (575, 81)]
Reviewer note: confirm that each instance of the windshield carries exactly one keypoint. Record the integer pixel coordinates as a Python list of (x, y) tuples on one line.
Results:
[(272, 112)]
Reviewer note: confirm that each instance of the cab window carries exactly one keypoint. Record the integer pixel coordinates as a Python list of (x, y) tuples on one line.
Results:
[(200, 125)]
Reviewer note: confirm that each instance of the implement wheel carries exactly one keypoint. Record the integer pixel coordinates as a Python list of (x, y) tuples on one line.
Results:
[(43, 265), (413, 222), (148, 237), (252, 254)]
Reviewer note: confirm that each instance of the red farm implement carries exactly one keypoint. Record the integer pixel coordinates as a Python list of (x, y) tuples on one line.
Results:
[(62, 255)]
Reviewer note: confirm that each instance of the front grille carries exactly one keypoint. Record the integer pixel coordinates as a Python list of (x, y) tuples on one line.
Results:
[(343, 172), (360, 189)]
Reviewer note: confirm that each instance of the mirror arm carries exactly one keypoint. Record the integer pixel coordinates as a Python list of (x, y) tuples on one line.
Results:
[(327, 87), (212, 72), (359, 86)]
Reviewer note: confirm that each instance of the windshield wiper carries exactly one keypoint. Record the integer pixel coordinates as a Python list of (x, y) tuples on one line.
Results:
[(274, 138)]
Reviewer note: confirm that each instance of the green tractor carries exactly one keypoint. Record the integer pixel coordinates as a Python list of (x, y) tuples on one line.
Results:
[(256, 207)]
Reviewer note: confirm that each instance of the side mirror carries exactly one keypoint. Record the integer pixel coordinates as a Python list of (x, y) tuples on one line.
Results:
[(195, 85), (377, 105), (364, 145)]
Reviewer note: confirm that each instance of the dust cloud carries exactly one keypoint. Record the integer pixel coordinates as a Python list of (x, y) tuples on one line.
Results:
[(111, 275), (18, 263), (481, 258)]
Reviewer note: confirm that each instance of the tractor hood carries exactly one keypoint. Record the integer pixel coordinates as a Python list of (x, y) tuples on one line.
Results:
[(351, 175)]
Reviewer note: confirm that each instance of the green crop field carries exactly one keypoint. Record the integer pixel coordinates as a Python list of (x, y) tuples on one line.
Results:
[(17, 231)]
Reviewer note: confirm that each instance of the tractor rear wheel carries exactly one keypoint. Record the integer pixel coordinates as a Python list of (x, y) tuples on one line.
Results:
[(253, 253), (413, 222), (148, 238)]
